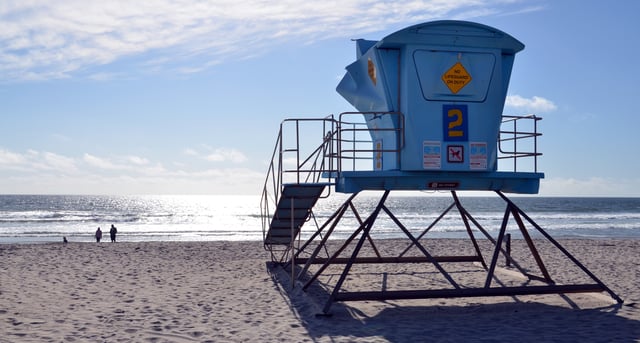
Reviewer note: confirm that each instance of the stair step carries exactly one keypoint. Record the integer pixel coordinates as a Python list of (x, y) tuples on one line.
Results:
[(299, 191), (303, 197), (283, 213)]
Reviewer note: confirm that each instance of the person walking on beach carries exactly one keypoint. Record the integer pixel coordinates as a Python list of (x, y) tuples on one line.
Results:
[(113, 232), (98, 235)]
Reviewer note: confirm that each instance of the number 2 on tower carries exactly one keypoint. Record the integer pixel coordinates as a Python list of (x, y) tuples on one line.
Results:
[(454, 119), (456, 123)]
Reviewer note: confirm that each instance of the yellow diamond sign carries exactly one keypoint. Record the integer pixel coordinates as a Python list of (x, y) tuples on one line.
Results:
[(456, 78)]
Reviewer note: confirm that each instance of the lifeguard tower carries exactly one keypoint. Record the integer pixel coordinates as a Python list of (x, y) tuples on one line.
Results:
[(429, 101)]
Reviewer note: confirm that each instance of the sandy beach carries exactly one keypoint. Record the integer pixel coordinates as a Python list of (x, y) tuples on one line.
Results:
[(226, 292)]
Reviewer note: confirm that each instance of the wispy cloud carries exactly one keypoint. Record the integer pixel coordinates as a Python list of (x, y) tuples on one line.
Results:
[(41, 171), (534, 104), (36, 161), (124, 164), (190, 152), (59, 162), (218, 154), (9, 158), (101, 163), (137, 160), (43, 39), (222, 155)]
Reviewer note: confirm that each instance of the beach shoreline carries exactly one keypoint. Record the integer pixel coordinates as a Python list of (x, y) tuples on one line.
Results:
[(226, 291)]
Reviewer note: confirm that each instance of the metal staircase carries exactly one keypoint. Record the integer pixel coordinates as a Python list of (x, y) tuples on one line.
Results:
[(297, 178), (293, 210)]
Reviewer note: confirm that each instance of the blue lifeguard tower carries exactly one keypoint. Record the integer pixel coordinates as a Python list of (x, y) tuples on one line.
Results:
[(429, 101)]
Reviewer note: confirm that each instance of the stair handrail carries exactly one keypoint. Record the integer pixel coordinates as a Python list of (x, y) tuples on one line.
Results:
[(274, 178), (319, 163)]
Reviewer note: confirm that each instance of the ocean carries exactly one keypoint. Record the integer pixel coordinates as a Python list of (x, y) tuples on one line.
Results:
[(48, 218)]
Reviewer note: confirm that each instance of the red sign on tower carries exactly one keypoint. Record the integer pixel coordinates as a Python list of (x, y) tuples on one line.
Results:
[(455, 154)]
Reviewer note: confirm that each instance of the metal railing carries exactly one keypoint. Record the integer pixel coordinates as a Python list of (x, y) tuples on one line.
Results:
[(355, 143), (292, 162), (514, 137), (346, 142)]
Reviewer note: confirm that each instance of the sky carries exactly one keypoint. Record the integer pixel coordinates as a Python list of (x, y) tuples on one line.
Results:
[(186, 97)]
